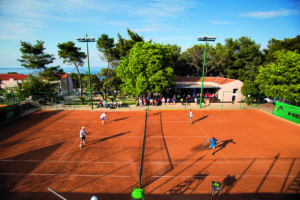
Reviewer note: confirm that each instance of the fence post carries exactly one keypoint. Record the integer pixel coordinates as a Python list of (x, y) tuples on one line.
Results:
[(56, 103), (73, 101), (222, 101)]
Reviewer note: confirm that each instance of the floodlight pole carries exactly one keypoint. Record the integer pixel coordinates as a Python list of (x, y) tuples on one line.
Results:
[(87, 40), (204, 38)]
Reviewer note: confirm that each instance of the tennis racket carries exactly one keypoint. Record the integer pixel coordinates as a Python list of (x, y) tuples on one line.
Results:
[(204, 146)]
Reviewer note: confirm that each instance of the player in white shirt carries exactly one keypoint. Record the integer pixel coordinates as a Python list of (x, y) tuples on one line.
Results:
[(82, 136), (102, 117), (191, 116)]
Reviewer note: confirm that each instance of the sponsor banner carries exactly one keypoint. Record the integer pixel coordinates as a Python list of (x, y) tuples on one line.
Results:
[(288, 112)]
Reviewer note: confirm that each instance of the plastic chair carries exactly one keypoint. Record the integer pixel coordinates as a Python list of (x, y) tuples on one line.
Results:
[(215, 188)]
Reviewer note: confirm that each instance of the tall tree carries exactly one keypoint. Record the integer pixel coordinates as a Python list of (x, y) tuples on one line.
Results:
[(107, 47), (181, 66), (290, 44), (148, 68), (34, 57), (52, 73), (72, 56), (281, 78), (111, 81), (244, 57), (215, 63), (124, 46), (193, 56)]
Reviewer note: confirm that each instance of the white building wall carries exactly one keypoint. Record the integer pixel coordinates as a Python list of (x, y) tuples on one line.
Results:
[(64, 85), (9, 83), (226, 91)]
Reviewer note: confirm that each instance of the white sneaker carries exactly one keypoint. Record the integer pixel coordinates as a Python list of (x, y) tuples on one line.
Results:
[(84, 142), (80, 146)]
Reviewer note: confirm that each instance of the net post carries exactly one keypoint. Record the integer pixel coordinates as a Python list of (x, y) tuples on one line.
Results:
[(139, 180)]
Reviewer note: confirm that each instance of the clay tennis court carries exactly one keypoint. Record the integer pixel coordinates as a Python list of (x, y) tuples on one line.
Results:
[(258, 159)]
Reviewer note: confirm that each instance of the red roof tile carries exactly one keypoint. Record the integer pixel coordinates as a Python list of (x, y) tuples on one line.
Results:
[(63, 76), (7, 77), (217, 80)]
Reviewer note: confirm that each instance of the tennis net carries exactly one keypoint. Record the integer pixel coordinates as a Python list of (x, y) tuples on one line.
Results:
[(143, 153), (155, 161)]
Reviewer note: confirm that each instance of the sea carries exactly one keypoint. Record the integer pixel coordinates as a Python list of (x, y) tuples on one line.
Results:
[(93, 70)]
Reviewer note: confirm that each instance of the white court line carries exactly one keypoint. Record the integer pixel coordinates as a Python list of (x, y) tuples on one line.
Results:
[(237, 175), (209, 137), (123, 176), (68, 151), (128, 162), (77, 175), (136, 136)]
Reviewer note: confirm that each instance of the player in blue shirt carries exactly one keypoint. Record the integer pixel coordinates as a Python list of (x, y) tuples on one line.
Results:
[(213, 144)]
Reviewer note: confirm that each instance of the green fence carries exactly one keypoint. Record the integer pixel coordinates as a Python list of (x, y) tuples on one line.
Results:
[(291, 113), (9, 112)]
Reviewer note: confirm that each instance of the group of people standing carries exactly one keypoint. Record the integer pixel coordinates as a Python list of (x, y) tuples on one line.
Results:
[(155, 101)]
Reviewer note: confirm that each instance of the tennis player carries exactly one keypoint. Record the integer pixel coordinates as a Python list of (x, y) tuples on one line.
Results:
[(102, 117), (82, 136), (213, 144), (191, 116)]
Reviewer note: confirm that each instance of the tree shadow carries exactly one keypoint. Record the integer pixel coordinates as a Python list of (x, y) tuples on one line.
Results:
[(224, 144), (19, 164), (19, 125), (202, 118), (104, 139)]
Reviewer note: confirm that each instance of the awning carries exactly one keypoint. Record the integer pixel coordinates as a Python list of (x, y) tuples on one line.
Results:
[(196, 85)]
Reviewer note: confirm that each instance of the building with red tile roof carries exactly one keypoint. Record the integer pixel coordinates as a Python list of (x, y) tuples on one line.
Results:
[(226, 89), (11, 80), (64, 85)]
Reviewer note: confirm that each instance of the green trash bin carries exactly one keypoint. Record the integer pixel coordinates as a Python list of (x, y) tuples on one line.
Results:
[(137, 194)]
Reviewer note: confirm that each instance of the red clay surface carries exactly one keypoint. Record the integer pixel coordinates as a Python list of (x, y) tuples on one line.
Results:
[(259, 157)]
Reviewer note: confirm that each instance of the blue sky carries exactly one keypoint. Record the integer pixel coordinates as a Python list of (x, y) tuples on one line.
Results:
[(164, 21)]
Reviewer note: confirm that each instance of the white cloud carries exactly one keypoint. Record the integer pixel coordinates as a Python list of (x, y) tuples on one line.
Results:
[(30, 15), (220, 22), (270, 14)]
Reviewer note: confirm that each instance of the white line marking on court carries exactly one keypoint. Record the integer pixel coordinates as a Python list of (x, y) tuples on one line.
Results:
[(123, 176), (137, 162), (135, 136), (78, 175), (237, 175), (67, 151)]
